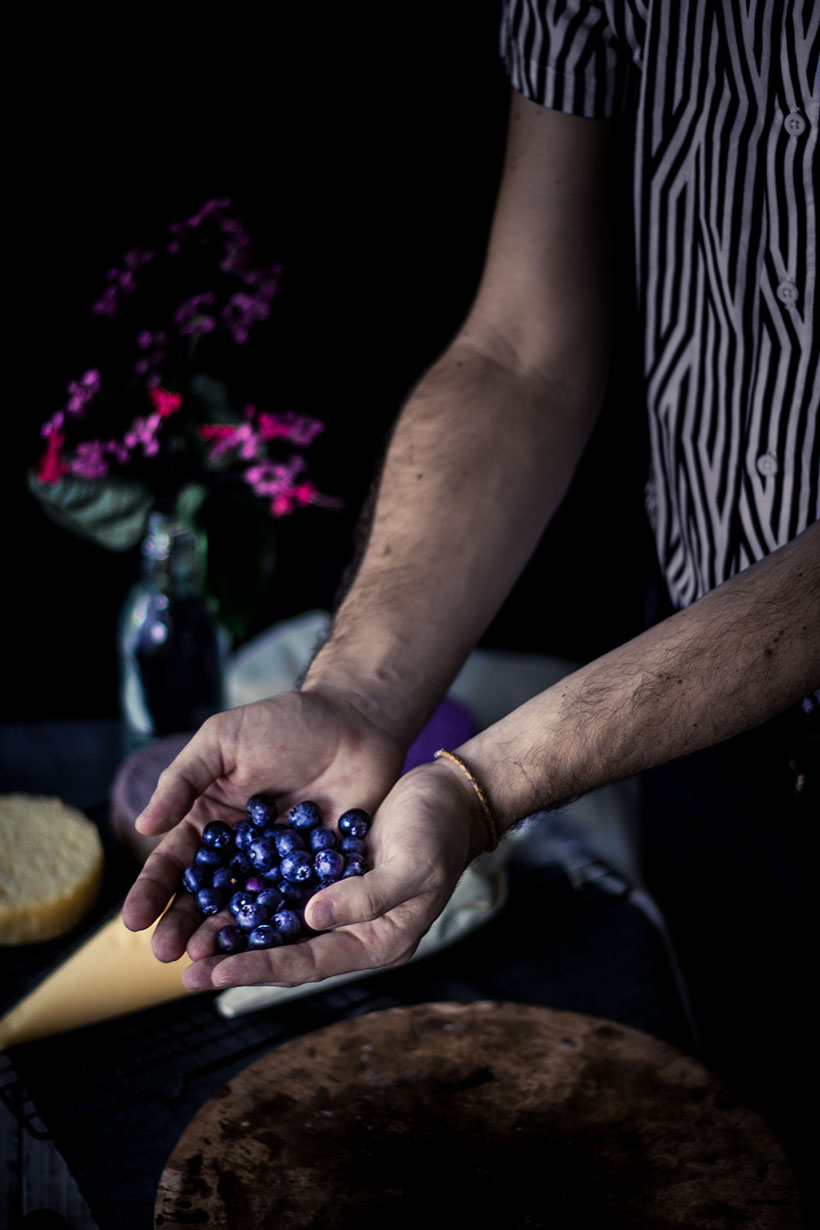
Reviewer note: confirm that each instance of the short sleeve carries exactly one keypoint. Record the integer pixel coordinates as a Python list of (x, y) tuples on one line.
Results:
[(565, 55)]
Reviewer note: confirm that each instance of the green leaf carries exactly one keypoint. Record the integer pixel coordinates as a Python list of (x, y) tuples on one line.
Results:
[(111, 512), (189, 501)]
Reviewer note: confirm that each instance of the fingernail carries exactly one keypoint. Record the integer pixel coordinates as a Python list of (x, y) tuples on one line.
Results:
[(323, 915), (138, 822)]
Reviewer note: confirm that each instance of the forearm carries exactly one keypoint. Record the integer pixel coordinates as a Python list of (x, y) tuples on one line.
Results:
[(481, 457), (740, 655)]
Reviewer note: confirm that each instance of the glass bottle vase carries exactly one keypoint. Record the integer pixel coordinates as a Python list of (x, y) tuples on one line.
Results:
[(171, 647)]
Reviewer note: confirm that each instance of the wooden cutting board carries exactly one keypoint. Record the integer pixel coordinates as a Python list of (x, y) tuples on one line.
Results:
[(479, 1114)]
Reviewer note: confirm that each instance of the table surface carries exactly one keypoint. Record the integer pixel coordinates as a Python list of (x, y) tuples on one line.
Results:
[(89, 1118)]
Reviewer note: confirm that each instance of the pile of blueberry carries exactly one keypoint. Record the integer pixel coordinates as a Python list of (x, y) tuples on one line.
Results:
[(265, 872)]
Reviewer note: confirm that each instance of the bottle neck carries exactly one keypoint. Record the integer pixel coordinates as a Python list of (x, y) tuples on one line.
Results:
[(173, 556)]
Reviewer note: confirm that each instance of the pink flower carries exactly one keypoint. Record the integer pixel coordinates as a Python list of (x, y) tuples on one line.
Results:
[(117, 449), (53, 424), (143, 433), (107, 305), (82, 391), (165, 403), (271, 478), (88, 461), (190, 316)]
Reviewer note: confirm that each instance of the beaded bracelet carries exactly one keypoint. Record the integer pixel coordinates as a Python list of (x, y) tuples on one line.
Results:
[(479, 789)]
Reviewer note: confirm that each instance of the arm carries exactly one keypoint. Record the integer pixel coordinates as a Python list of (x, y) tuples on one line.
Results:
[(486, 447), (740, 655), (480, 458)]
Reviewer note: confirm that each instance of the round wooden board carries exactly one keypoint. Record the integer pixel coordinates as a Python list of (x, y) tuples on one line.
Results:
[(477, 1114)]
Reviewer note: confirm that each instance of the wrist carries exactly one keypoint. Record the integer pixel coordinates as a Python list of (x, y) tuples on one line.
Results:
[(482, 834), (375, 681)]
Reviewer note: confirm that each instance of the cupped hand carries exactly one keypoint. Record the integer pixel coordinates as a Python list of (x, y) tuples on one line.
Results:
[(295, 746), (422, 838)]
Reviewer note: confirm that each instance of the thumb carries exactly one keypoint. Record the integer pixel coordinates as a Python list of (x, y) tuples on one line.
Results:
[(361, 898)]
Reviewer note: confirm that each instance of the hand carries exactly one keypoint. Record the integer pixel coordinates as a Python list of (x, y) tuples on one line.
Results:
[(295, 746), (422, 837)]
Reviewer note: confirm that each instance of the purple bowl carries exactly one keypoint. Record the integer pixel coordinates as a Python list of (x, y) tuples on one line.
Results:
[(451, 725)]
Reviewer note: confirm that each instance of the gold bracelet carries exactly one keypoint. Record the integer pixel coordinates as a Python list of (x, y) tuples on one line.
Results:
[(479, 789)]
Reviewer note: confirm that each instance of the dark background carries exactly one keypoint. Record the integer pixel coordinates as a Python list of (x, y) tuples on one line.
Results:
[(363, 150)]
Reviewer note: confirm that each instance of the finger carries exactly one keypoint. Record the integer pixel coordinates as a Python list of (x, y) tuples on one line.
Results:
[(340, 952), (160, 877), (188, 776), (176, 929), (202, 942), (362, 898)]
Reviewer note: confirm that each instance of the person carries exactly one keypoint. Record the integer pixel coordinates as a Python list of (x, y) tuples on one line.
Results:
[(717, 101)]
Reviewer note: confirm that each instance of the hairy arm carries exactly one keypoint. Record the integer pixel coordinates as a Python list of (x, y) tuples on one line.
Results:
[(488, 442), (740, 655)]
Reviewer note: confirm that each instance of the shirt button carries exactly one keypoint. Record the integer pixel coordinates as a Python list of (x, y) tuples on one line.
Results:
[(794, 124), (787, 292), (767, 465)]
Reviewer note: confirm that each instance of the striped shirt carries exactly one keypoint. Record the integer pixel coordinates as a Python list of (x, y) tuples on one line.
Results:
[(722, 97)]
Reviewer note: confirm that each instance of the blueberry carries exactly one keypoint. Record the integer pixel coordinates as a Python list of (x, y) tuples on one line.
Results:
[(241, 864), (262, 853), (217, 834), (354, 823), (254, 884), (297, 866), (231, 939), (208, 856), (261, 809), (209, 900), (287, 842), (322, 839), (295, 893), (354, 866), (305, 815), (271, 898), (352, 845), (272, 876), (244, 834), (264, 936), (329, 863), (239, 900), (288, 924), (196, 877), (226, 880), (252, 915)]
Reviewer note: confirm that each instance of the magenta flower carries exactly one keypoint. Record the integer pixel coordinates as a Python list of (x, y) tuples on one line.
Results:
[(302, 494), (165, 403), (51, 466), (298, 428)]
